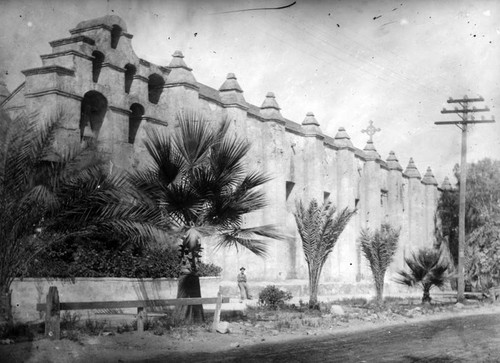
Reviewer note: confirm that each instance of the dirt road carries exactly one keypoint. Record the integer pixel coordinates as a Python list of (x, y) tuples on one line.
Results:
[(460, 339)]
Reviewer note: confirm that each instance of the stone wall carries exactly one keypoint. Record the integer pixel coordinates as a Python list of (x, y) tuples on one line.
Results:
[(106, 92)]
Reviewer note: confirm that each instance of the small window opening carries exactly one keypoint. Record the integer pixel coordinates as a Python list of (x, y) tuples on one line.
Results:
[(155, 87), (97, 65), (135, 119), (130, 71), (289, 188), (116, 32), (383, 198), (93, 109)]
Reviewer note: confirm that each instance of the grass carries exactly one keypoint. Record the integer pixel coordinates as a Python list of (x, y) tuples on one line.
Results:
[(287, 317), (20, 332)]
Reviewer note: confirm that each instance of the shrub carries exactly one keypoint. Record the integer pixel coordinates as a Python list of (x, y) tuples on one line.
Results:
[(379, 248), (273, 297), (427, 269), (71, 259), (208, 269)]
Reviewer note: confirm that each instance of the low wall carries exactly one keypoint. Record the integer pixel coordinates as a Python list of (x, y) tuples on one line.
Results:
[(28, 292)]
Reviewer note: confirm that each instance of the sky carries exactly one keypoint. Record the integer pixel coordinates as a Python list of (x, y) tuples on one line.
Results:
[(392, 62)]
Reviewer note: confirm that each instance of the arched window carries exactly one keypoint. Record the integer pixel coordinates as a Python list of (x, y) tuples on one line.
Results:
[(116, 32), (155, 87), (130, 71), (97, 65), (134, 121), (93, 110)]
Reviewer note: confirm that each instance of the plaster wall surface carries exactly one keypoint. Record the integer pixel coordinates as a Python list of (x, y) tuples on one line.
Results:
[(28, 292)]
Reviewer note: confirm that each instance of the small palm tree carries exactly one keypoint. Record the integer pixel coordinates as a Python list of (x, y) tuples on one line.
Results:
[(379, 248), (47, 197), (427, 269), (200, 181), (319, 228)]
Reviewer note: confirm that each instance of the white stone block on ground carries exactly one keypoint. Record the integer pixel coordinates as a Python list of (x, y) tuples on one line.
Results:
[(223, 327), (337, 310)]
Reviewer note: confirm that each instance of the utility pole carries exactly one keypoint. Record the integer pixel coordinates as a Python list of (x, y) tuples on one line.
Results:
[(467, 117)]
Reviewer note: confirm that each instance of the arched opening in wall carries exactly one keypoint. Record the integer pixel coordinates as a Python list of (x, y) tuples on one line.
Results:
[(155, 87), (130, 71), (97, 65), (134, 121), (93, 110), (116, 32)]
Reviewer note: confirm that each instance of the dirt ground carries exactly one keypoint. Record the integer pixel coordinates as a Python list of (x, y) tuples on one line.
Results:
[(256, 327)]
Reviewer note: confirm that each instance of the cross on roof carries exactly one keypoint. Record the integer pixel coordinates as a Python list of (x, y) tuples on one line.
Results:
[(371, 130)]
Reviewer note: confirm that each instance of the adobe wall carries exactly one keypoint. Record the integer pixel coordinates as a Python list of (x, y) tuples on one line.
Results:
[(97, 66), (28, 292)]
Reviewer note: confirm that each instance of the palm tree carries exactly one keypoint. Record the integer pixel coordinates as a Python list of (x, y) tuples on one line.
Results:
[(427, 269), (379, 248), (200, 181), (319, 228), (47, 197)]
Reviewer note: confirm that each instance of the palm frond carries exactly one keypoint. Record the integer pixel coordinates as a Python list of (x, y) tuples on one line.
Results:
[(253, 238), (227, 161), (319, 228), (427, 267), (194, 139), (167, 162)]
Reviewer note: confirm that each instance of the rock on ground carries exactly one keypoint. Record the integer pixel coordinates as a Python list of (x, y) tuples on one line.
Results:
[(337, 310), (223, 327)]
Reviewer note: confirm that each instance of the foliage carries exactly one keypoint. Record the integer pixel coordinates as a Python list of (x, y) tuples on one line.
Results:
[(47, 195), (482, 256), (447, 231), (427, 269), (94, 327), (20, 331), (482, 225), (69, 320), (98, 259), (319, 228), (379, 248), (199, 179), (272, 297)]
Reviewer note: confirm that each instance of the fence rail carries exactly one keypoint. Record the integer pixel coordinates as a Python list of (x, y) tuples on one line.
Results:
[(53, 308)]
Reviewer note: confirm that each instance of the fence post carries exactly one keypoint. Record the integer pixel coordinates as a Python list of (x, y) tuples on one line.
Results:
[(53, 315), (140, 320), (218, 306)]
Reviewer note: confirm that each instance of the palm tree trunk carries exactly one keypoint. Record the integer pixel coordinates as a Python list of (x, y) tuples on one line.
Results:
[(379, 286), (314, 274), (189, 286), (426, 298)]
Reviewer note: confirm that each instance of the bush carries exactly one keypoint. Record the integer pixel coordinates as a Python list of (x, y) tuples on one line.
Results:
[(71, 259), (273, 297)]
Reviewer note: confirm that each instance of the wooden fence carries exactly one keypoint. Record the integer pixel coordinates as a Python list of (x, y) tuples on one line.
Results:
[(53, 308)]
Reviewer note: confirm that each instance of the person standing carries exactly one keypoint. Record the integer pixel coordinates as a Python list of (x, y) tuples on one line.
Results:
[(242, 284)]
